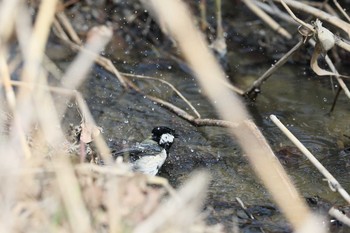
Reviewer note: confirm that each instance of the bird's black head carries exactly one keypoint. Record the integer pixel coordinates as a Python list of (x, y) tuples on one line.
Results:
[(164, 136)]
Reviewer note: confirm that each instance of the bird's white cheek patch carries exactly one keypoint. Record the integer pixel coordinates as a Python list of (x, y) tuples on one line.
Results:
[(166, 138)]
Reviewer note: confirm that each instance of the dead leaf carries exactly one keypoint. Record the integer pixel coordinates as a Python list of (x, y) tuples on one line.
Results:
[(314, 64), (89, 131)]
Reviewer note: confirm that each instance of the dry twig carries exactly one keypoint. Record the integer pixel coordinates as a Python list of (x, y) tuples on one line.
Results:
[(256, 85), (170, 85)]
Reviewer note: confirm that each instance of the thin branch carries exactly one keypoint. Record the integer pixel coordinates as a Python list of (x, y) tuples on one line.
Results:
[(273, 68), (232, 87), (170, 85), (194, 121), (335, 99)]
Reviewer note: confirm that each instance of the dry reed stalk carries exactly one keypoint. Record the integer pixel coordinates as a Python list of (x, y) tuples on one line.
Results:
[(12, 148), (32, 60), (61, 16), (185, 206), (66, 179), (97, 39), (106, 63), (267, 19), (337, 22), (11, 100), (47, 116), (69, 187), (8, 13), (7, 28), (174, 19), (37, 41), (333, 183)]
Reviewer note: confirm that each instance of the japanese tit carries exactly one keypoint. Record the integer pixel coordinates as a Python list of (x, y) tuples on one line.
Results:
[(149, 156)]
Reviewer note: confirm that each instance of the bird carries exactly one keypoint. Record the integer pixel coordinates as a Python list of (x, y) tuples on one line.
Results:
[(149, 156)]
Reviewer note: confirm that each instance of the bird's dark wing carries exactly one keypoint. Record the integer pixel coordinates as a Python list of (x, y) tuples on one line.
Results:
[(146, 148)]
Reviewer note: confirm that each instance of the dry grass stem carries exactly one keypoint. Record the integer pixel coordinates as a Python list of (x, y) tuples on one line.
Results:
[(333, 183), (185, 207), (47, 115), (38, 39), (8, 12), (267, 19), (11, 100), (77, 71), (208, 72), (71, 196), (62, 18), (104, 62)]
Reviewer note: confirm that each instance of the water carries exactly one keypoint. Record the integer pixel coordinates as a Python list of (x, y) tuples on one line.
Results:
[(298, 100)]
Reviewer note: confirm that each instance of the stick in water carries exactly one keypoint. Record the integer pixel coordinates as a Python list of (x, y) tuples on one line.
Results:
[(333, 183)]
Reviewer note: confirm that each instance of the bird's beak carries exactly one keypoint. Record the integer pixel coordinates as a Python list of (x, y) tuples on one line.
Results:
[(175, 135)]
